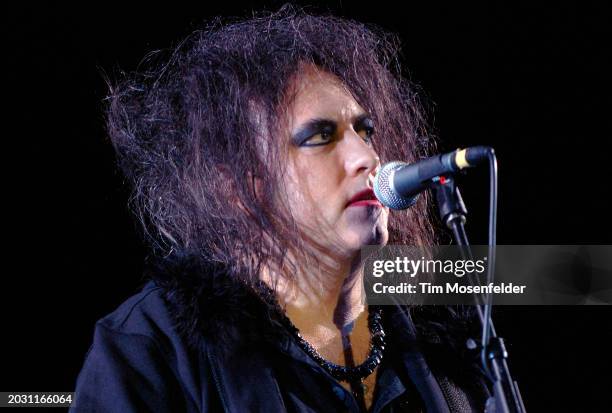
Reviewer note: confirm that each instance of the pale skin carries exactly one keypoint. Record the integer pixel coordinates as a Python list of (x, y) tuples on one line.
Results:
[(330, 160)]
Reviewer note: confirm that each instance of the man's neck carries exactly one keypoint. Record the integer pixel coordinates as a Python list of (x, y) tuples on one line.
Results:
[(326, 303)]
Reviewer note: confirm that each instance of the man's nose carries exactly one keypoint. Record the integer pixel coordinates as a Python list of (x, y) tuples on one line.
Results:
[(359, 156)]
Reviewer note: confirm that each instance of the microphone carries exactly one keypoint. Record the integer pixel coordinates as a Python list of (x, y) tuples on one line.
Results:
[(398, 184)]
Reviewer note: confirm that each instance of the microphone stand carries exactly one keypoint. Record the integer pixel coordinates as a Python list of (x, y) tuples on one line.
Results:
[(506, 396)]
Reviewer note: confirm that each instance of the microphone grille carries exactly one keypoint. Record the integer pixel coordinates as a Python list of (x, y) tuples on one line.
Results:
[(383, 191)]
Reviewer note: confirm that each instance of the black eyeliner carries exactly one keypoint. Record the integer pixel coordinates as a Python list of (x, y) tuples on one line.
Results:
[(363, 122), (311, 128)]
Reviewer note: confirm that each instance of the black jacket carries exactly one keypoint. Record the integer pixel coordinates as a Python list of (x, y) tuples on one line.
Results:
[(192, 340)]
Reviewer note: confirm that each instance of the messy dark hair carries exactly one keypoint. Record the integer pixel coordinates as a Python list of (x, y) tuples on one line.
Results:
[(188, 132)]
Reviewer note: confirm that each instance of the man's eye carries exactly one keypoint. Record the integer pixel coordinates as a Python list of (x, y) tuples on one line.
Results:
[(367, 133), (321, 138)]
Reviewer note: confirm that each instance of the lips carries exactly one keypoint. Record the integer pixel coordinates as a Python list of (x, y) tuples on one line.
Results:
[(364, 198)]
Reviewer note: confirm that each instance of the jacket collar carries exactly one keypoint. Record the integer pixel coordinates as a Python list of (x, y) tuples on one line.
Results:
[(208, 305)]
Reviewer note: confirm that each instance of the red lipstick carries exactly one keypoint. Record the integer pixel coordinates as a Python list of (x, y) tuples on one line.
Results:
[(364, 198)]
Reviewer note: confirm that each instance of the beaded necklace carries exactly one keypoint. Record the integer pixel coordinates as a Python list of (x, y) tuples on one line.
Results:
[(339, 372)]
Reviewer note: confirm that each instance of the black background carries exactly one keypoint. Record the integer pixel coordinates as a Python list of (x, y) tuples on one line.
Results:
[(527, 79)]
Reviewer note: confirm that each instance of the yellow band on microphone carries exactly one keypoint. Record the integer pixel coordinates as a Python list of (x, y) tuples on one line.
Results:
[(460, 159)]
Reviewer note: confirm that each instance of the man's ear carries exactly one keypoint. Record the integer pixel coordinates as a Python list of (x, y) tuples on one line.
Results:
[(254, 183)]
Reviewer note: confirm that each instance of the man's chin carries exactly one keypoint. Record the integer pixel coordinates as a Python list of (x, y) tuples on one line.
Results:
[(376, 236)]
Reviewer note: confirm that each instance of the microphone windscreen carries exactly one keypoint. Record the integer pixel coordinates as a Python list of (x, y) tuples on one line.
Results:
[(383, 188)]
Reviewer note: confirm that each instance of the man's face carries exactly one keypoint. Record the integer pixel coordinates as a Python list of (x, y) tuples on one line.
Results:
[(331, 166)]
